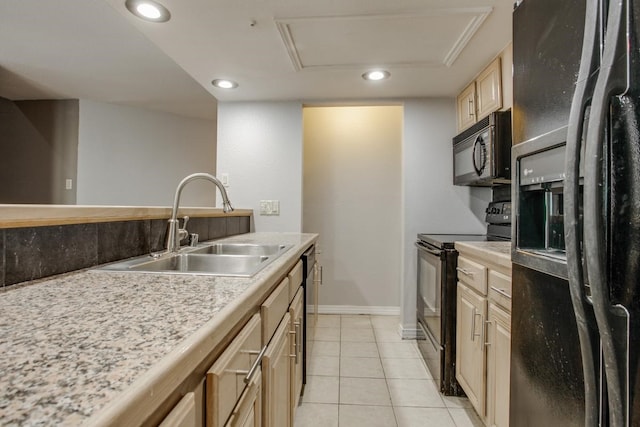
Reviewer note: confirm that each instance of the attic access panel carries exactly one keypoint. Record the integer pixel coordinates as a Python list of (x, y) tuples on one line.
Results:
[(430, 38)]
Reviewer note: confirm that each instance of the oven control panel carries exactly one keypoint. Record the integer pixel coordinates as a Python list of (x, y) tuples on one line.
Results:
[(498, 213)]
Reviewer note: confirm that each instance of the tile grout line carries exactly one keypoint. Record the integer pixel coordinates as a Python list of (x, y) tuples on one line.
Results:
[(339, 366), (386, 381), (379, 358)]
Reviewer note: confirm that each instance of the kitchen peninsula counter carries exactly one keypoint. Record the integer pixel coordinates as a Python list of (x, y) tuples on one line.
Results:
[(90, 346)]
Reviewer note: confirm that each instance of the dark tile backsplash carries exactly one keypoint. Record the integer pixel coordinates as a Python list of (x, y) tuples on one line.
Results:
[(2, 233), (35, 252), (245, 224), (233, 225), (123, 239), (199, 226), (217, 228), (158, 237)]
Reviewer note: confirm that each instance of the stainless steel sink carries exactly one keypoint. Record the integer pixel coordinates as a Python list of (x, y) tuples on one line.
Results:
[(219, 259), (239, 249)]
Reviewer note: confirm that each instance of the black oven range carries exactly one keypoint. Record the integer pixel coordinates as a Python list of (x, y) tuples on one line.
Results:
[(436, 298)]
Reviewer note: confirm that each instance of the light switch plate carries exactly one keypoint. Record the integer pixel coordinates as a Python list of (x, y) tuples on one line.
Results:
[(269, 207)]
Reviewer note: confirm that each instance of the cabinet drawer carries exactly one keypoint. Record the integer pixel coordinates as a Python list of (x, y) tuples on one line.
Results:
[(473, 274), (272, 310), (295, 280), (225, 379), (500, 289)]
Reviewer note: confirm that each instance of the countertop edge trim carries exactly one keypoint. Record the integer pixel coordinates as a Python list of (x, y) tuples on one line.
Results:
[(18, 216)]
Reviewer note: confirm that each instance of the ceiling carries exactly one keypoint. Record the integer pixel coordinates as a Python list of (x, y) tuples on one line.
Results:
[(307, 50)]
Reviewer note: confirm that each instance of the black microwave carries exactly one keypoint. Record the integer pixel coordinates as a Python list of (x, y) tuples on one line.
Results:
[(482, 153)]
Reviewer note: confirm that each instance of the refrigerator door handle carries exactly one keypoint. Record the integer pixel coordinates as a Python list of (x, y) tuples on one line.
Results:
[(612, 320), (581, 99)]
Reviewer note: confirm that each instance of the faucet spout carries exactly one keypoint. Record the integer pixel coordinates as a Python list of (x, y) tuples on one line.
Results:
[(173, 242)]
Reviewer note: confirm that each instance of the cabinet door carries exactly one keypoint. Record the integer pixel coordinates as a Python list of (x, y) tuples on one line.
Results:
[(489, 89), (498, 366), (248, 413), (276, 384), (467, 107), (296, 328), (184, 414), (225, 379), (470, 355)]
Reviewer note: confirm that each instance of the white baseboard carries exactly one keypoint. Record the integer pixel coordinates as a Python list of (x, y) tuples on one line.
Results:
[(356, 309)]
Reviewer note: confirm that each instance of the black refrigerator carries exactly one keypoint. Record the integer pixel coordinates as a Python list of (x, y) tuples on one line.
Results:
[(576, 199)]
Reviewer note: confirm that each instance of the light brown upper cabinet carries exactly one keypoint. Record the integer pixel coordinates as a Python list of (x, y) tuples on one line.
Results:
[(484, 94), (467, 107), (489, 89)]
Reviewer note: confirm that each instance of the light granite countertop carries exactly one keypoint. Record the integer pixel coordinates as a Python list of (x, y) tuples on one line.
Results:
[(71, 344), (492, 252)]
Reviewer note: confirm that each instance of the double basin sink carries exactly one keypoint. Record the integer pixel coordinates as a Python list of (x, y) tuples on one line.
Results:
[(211, 259)]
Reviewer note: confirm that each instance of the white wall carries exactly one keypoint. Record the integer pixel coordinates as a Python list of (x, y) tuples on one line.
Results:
[(134, 156), (431, 203), (260, 148), (352, 176)]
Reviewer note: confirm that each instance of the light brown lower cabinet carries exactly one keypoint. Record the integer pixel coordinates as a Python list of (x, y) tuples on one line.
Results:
[(228, 377), (483, 335), (257, 380), (276, 371), (498, 366), (471, 313), (248, 412), (295, 330), (184, 414)]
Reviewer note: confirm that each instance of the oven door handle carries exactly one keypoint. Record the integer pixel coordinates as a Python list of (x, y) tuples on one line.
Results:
[(423, 247)]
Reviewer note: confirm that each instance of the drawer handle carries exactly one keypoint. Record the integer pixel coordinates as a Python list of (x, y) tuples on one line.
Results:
[(473, 325), (501, 292), (488, 323), (466, 272), (255, 365), (298, 326), (317, 276), (297, 347), (295, 343)]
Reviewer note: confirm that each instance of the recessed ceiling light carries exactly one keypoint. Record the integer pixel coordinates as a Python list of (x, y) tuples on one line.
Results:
[(376, 75), (224, 84), (148, 10)]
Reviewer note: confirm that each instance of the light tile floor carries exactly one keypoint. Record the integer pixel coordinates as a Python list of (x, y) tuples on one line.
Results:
[(363, 374)]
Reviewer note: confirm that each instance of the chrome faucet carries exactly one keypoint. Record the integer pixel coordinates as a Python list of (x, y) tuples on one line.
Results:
[(176, 233)]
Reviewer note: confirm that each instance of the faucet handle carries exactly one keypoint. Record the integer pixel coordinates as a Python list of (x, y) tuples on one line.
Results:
[(185, 221)]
